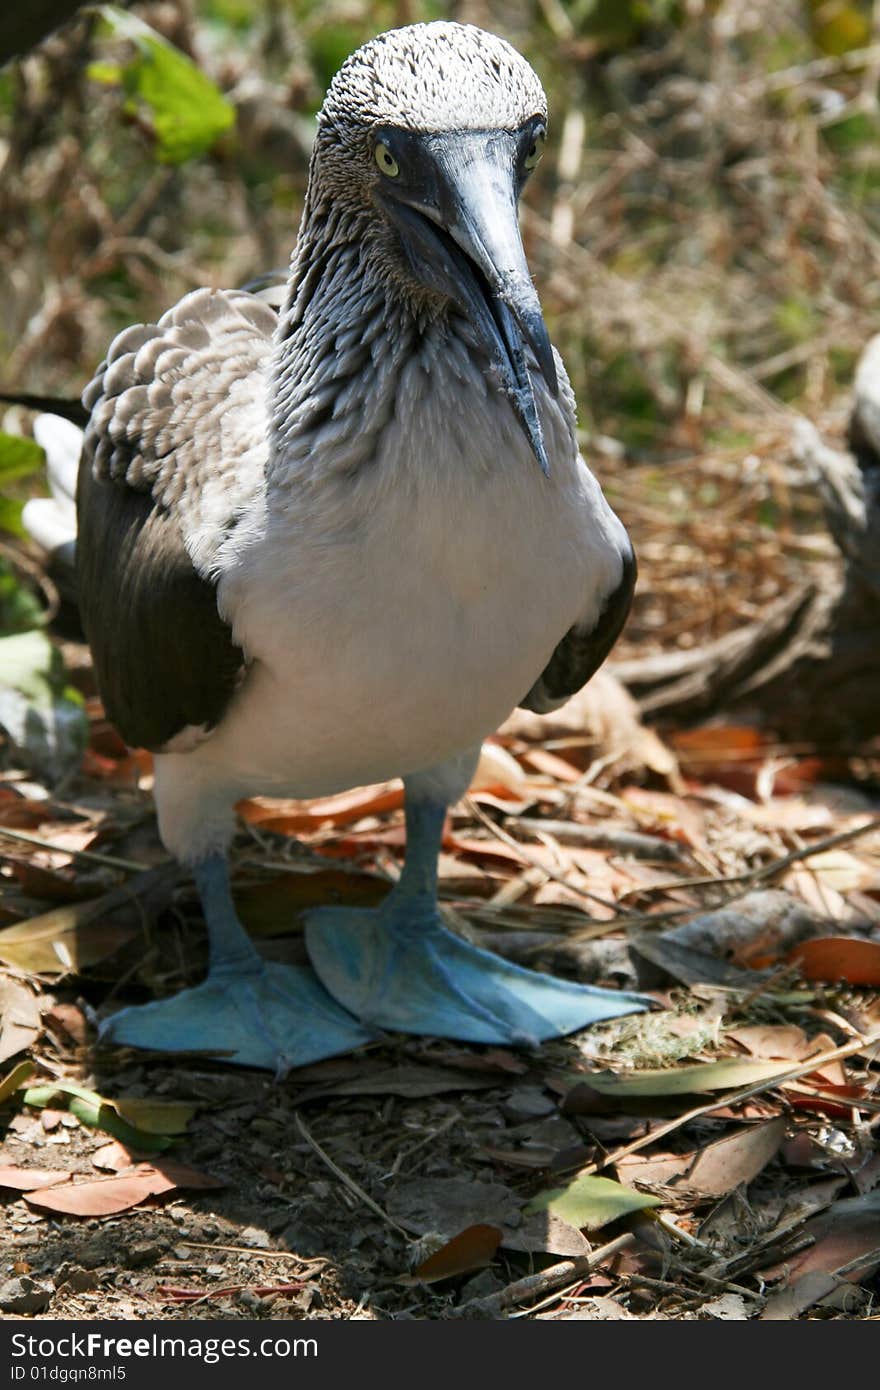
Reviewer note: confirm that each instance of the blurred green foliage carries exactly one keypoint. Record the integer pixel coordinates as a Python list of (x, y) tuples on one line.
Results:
[(19, 458), (186, 111), (838, 26), (42, 715)]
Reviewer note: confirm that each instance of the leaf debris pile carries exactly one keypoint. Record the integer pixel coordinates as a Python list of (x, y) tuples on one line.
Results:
[(722, 1147)]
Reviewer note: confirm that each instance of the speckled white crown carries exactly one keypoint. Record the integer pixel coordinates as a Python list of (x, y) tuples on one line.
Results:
[(438, 76)]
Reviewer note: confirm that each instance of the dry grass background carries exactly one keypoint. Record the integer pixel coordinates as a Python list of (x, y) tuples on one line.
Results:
[(703, 230)]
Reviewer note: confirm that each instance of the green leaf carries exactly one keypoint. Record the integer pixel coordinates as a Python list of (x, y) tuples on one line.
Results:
[(10, 516), (837, 26), (108, 74), (96, 1112), (20, 609), (590, 1202), (43, 717), (727, 1074), (19, 457), (156, 1116), (186, 109)]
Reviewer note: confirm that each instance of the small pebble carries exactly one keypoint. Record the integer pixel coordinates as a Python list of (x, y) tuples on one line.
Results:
[(144, 1252), (255, 1238), (24, 1295)]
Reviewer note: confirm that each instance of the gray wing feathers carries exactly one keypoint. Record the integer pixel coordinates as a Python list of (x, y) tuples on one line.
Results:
[(174, 457), (177, 409)]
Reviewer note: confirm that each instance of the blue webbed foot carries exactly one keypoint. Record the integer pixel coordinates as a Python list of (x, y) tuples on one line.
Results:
[(398, 967), (411, 974), (270, 1015), (252, 1012)]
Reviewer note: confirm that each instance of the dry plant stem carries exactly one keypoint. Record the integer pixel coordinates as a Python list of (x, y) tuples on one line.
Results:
[(536, 1285), (256, 1254), (863, 1261), (730, 378), (348, 1181), (765, 871), (821, 1059), (624, 919), (60, 919), (558, 1296), (92, 857), (642, 1281), (405, 1156), (626, 842), (557, 877)]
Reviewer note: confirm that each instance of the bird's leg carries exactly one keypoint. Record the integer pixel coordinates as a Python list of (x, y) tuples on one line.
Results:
[(399, 967), (249, 1011)]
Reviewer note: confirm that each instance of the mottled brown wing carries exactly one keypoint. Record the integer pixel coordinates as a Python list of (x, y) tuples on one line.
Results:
[(173, 460)]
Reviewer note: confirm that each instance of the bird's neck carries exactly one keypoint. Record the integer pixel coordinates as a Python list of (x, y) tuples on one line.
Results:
[(341, 343)]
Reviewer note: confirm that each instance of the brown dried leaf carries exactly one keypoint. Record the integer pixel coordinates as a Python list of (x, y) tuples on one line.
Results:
[(473, 1248), (104, 1196), (31, 1179), (77, 935), (21, 812), (409, 1081), (848, 1230), (499, 771), (772, 1040), (290, 817), (115, 1157), (714, 1170), (71, 1020), (678, 817), (272, 908), (833, 958), (798, 1296), (736, 1159), (606, 713), (109, 1196), (19, 1017), (545, 1233), (448, 1205)]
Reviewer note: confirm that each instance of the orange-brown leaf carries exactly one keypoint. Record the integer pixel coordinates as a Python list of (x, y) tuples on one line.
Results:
[(832, 958), (109, 1196), (473, 1248), (294, 817), (31, 1179)]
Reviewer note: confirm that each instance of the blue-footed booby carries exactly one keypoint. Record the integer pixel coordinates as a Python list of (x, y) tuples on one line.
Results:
[(339, 543)]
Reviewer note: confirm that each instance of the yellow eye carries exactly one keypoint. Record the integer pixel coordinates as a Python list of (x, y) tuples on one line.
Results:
[(386, 161), (536, 149)]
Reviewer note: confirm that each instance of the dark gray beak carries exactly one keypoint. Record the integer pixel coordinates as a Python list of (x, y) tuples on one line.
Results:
[(454, 206)]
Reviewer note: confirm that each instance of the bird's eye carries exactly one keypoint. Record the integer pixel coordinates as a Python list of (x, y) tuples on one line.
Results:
[(536, 149), (386, 161)]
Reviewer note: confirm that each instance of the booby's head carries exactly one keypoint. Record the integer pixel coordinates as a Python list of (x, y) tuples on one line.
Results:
[(431, 132)]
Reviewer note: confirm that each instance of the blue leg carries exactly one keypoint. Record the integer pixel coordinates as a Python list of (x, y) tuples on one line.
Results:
[(259, 1013), (399, 967)]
